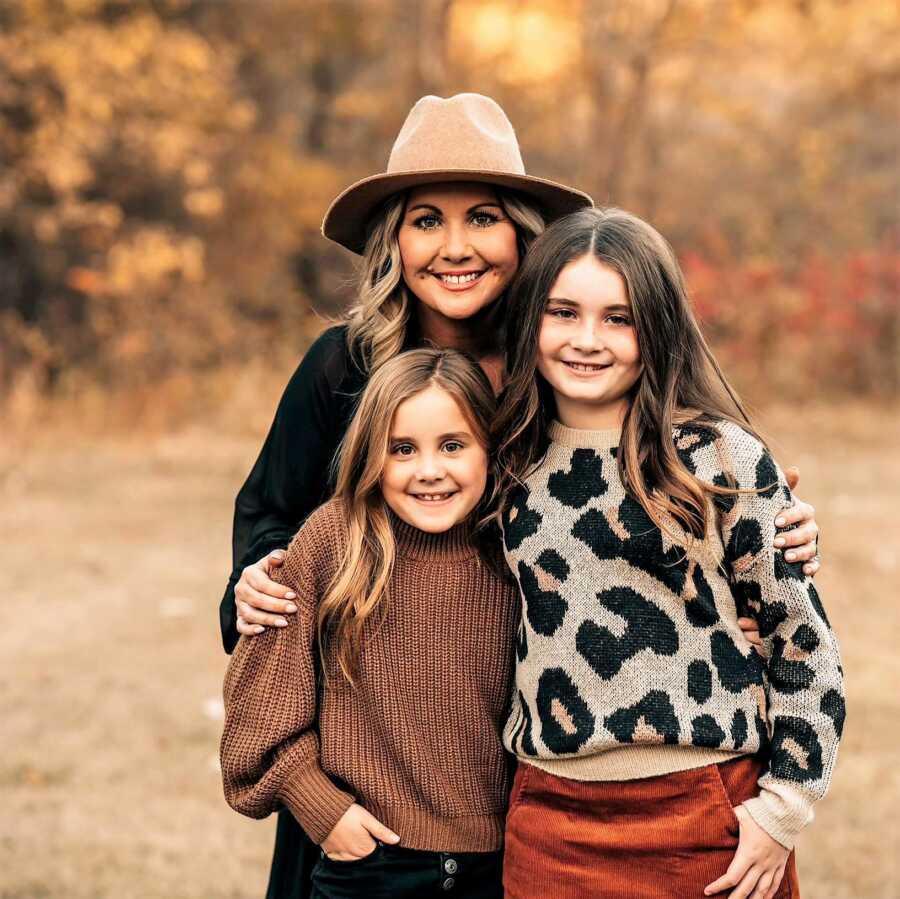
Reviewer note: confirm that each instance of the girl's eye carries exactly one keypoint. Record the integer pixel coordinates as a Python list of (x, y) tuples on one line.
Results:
[(620, 320), (403, 449), (453, 446), (484, 219), (561, 313), (427, 222)]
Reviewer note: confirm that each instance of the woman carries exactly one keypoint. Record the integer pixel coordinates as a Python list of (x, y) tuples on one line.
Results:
[(441, 235)]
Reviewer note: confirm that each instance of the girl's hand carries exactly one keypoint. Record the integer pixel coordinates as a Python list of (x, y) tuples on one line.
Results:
[(255, 595), (758, 865), (798, 544), (354, 836)]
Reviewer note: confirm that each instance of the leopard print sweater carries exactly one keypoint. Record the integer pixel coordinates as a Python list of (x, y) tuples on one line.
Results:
[(630, 661)]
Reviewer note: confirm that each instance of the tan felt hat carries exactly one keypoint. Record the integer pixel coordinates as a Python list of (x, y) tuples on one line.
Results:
[(464, 138)]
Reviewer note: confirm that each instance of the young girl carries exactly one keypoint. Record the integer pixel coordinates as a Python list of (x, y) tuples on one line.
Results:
[(659, 755), (375, 715)]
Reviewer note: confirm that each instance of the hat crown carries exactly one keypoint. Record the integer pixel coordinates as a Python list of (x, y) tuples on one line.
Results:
[(466, 132)]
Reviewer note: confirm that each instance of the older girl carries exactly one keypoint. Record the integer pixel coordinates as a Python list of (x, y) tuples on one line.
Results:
[(660, 755)]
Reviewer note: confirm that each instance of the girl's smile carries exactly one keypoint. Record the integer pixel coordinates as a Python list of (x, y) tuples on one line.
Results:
[(435, 471), (587, 346)]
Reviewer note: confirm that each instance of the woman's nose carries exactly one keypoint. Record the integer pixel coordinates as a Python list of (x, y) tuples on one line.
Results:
[(456, 242)]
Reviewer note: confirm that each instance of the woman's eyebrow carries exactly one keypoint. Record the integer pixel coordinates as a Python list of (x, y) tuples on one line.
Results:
[(437, 209)]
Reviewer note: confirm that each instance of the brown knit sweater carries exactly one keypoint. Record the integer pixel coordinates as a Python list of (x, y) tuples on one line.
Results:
[(417, 741)]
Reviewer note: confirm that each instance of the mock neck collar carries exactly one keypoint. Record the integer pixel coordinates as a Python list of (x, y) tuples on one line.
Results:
[(448, 546)]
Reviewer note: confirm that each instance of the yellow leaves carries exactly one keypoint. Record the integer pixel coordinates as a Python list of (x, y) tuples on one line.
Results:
[(205, 203), (150, 258), (529, 42)]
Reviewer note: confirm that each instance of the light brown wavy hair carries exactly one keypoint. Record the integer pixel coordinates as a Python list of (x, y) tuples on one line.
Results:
[(378, 322), (360, 587), (680, 379)]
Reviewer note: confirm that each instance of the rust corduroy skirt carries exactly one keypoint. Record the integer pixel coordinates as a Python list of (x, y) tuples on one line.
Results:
[(667, 836)]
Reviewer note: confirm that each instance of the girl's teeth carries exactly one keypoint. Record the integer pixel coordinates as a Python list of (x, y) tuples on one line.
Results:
[(459, 279), (433, 498)]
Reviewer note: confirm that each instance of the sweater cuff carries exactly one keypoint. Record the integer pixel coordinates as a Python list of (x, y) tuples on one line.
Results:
[(315, 802), (780, 813)]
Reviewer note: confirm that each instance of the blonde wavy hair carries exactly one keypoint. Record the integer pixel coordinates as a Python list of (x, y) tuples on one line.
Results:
[(359, 588), (377, 323)]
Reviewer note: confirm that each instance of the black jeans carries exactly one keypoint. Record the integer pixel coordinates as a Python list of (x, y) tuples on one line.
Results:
[(392, 872)]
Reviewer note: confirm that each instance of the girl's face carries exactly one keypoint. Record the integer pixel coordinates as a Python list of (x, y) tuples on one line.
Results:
[(587, 346), (436, 468), (458, 249)]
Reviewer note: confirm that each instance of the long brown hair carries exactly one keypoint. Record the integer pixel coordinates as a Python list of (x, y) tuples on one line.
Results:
[(360, 586), (680, 378)]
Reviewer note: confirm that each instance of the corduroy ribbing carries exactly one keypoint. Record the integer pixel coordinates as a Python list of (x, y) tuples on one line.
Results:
[(417, 740)]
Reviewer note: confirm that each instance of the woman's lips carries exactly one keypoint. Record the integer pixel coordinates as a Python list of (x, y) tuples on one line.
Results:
[(459, 281)]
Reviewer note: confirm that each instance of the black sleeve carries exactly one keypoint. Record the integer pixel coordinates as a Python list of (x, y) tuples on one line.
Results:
[(291, 477)]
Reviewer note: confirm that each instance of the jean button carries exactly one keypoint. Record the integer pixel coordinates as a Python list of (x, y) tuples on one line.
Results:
[(449, 883), (450, 866)]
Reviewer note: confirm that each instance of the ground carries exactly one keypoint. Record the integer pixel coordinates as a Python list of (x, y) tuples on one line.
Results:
[(114, 556)]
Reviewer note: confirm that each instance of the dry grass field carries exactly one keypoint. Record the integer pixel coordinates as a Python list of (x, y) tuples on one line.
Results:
[(113, 559)]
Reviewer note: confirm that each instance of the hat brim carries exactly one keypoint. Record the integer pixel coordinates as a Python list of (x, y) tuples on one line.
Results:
[(346, 219)]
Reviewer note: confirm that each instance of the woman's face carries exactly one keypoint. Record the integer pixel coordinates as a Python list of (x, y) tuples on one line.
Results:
[(458, 248)]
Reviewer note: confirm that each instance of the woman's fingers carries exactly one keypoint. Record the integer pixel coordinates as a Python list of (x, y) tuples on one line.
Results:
[(255, 594), (252, 615), (260, 581), (249, 630)]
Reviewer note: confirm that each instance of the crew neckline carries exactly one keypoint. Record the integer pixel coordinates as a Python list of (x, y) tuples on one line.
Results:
[(606, 438)]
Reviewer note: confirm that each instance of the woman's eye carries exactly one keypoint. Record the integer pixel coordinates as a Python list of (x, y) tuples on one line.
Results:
[(484, 219), (427, 222), (620, 320), (561, 313)]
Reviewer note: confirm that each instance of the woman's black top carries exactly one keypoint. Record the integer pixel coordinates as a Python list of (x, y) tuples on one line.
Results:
[(292, 475)]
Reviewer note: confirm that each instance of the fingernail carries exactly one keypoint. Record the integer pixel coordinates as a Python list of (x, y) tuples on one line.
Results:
[(291, 607), (779, 522), (290, 595), (280, 622), (258, 629), (779, 541), (790, 556)]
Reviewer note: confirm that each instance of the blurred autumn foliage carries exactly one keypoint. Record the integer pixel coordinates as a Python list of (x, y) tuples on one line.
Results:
[(164, 166)]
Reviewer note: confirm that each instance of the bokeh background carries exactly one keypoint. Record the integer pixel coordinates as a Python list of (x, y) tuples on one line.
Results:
[(164, 166)]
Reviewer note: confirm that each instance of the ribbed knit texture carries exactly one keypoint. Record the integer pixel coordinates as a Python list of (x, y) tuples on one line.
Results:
[(630, 662), (417, 742)]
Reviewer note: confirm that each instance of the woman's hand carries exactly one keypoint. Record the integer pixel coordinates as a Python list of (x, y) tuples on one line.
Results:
[(798, 544), (758, 865), (354, 836), (256, 595)]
